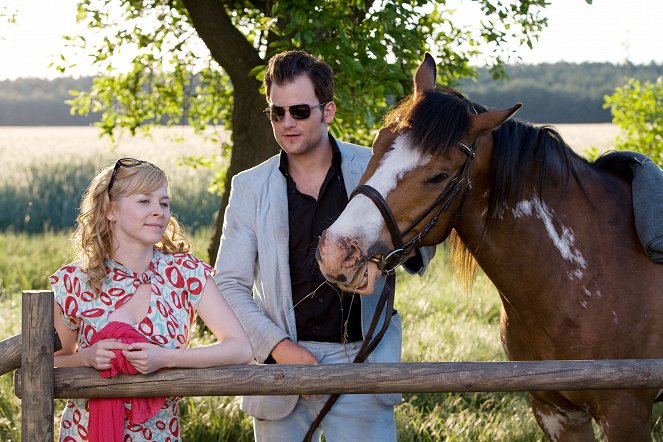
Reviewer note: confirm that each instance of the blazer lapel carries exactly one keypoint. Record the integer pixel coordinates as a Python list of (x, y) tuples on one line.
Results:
[(277, 219), (351, 169)]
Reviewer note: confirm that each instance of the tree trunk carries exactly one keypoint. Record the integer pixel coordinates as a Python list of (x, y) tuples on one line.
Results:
[(252, 140), (253, 143)]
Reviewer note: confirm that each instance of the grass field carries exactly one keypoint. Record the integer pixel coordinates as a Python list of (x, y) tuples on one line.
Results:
[(441, 322)]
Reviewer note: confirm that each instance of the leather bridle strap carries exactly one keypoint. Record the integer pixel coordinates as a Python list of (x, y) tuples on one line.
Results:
[(381, 204), (386, 304)]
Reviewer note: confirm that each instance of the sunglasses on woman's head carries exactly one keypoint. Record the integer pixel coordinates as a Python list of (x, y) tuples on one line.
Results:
[(123, 162), (297, 111)]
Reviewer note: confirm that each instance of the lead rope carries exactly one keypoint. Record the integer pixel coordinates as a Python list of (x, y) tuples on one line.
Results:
[(386, 304)]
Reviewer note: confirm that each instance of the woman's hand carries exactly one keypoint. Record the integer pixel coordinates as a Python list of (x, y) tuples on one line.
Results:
[(146, 357), (100, 354)]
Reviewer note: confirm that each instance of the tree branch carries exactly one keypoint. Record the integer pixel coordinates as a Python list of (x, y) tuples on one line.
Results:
[(228, 46)]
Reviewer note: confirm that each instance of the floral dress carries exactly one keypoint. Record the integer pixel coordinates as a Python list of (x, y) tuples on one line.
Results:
[(177, 284)]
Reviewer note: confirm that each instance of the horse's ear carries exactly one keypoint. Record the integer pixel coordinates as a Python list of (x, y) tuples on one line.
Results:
[(424, 78), (487, 121)]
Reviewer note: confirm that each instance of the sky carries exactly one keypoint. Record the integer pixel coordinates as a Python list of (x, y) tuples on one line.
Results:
[(606, 31)]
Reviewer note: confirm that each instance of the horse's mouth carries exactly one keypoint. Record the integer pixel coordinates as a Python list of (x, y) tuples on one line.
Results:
[(359, 282)]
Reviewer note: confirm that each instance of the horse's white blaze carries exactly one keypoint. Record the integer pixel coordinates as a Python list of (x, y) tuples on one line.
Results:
[(396, 162), (361, 218), (563, 240)]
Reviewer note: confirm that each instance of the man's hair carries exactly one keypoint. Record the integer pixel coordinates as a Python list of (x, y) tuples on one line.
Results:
[(285, 67)]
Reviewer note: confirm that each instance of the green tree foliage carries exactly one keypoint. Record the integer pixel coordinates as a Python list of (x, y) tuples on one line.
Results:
[(637, 108), (202, 59)]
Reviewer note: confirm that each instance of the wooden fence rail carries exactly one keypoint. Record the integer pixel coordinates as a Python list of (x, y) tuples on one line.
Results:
[(423, 377), (10, 354), (37, 383)]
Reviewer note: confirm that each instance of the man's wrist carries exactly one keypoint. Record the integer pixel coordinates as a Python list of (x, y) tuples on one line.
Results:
[(271, 359)]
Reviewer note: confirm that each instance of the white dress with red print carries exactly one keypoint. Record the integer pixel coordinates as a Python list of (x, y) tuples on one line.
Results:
[(177, 283)]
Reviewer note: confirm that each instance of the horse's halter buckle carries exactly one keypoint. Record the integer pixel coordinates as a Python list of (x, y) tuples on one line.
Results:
[(387, 263)]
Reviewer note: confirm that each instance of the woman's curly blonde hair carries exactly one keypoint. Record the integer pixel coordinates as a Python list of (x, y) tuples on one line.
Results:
[(92, 238)]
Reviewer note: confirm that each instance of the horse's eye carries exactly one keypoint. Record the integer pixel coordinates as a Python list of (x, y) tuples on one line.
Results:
[(439, 178)]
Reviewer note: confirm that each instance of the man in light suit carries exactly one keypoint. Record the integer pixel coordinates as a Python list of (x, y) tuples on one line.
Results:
[(266, 266)]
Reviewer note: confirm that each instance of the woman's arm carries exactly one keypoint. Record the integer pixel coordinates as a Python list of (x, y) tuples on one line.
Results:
[(97, 356), (233, 347)]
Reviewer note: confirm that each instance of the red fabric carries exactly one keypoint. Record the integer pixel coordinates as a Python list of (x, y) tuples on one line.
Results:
[(107, 415)]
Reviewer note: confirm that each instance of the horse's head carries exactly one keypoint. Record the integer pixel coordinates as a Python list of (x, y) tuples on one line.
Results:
[(413, 187)]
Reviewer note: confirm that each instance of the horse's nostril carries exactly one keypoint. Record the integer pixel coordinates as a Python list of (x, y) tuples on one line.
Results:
[(341, 278), (352, 256)]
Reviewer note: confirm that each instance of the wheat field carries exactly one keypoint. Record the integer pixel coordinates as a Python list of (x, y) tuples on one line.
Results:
[(583, 136), (21, 146)]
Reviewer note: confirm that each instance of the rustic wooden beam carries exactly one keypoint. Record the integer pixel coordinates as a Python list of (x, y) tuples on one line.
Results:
[(10, 352), (422, 377), (37, 366)]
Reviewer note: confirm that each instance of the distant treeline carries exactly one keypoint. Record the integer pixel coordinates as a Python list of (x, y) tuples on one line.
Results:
[(38, 102), (558, 92), (551, 93)]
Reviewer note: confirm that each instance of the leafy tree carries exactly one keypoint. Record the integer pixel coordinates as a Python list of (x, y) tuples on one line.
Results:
[(637, 108), (201, 61)]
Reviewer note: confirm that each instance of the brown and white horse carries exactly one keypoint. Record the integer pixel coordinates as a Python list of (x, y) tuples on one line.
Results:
[(554, 232)]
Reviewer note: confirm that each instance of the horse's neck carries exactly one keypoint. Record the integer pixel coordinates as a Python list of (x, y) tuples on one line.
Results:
[(538, 238)]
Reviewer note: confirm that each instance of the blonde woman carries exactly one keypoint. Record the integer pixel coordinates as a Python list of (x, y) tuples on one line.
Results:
[(128, 304)]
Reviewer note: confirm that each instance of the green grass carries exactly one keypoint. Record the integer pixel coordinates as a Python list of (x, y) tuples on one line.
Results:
[(441, 323)]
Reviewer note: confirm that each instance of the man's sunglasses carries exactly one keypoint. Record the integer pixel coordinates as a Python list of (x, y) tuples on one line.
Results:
[(298, 111), (123, 162)]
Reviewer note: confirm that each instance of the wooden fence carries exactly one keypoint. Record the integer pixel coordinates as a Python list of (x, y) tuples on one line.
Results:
[(37, 383)]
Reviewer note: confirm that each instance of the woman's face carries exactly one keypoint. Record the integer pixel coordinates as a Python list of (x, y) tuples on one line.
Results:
[(140, 218)]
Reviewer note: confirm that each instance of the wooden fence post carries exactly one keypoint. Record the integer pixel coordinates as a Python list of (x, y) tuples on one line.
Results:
[(37, 408)]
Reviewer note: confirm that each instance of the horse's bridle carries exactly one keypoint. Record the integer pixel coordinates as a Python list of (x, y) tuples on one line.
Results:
[(387, 263)]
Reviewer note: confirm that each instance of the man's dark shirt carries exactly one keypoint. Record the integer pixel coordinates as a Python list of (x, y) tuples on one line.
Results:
[(323, 312)]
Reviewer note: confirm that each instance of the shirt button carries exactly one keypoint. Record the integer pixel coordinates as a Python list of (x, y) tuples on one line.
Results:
[(319, 299)]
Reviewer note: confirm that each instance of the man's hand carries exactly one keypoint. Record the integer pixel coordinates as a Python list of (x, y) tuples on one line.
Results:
[(287, 352)]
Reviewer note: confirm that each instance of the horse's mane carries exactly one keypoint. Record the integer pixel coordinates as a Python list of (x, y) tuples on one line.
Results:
[(434, 120), (523, 151)]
